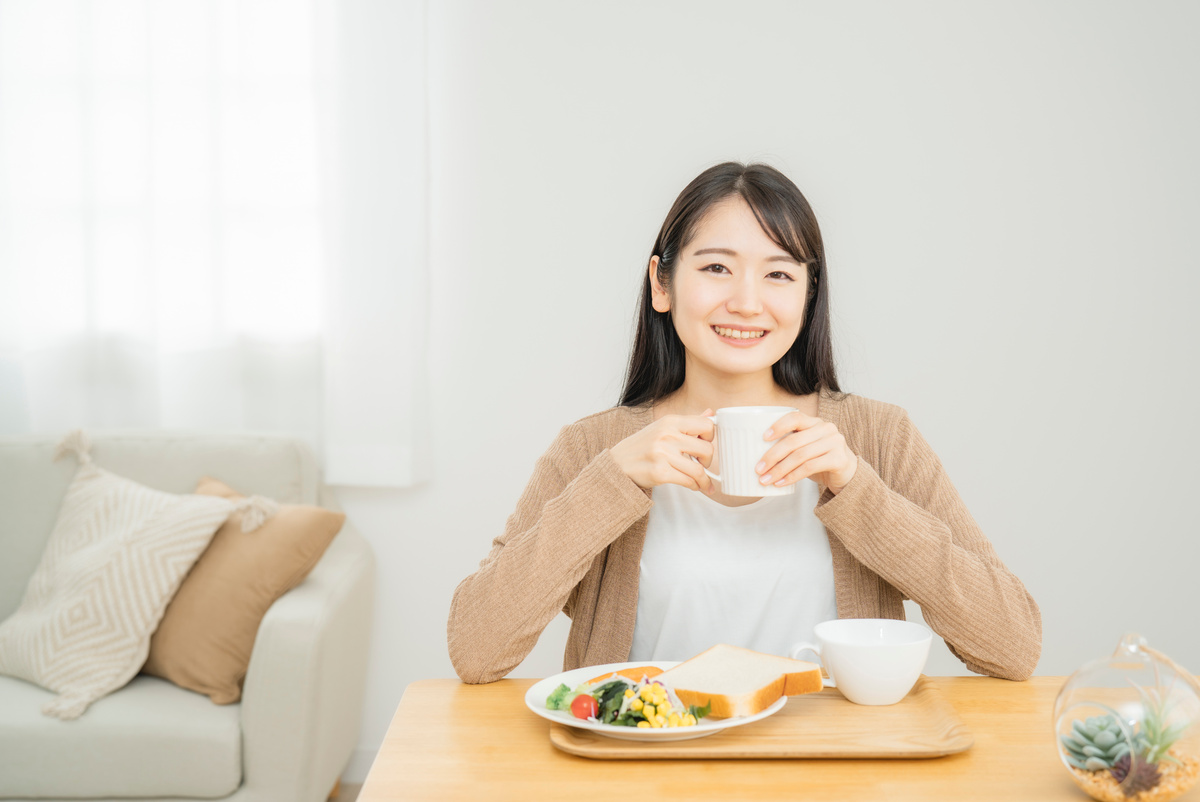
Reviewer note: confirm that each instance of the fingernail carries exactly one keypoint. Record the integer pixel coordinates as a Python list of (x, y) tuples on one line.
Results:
[(779, 483), (770, 435), (710, 490), (760, 467), (766, 479)]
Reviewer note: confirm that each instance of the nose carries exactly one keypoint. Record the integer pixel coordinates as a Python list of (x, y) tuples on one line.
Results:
[(746, 299)]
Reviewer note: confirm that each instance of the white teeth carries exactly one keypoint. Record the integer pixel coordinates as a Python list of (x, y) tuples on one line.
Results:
[(738, 335)]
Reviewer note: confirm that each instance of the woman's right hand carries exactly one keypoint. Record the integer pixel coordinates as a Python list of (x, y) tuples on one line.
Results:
[(662, 452)]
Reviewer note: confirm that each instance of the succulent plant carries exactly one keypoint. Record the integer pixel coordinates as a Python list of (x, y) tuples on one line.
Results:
[(1144, 777), (1095, 744)]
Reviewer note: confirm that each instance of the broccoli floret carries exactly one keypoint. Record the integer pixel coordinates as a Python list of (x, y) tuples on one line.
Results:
[(561, 698)]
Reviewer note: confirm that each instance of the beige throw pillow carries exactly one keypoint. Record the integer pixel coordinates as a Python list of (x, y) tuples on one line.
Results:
[(115, 557), (207, 634)]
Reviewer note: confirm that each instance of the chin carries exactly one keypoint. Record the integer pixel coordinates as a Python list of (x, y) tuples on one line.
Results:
[(733, 361), (737, 367)]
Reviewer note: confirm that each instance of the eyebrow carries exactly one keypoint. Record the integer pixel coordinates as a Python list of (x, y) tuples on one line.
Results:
[(728, 252)]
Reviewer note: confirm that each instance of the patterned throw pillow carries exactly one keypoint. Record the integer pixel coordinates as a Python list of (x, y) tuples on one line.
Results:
[(115, 557)]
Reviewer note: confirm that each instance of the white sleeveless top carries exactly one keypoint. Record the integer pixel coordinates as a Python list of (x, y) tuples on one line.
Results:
[(758, 576)]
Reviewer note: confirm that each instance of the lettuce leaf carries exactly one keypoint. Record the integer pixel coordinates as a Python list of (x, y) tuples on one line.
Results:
[(561, 698)]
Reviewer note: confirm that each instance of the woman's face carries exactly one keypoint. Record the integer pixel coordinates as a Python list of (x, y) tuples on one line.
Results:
[(737, 300)]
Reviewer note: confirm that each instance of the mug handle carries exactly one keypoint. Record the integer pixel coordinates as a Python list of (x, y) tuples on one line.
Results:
[(711, 475), (815, 649)]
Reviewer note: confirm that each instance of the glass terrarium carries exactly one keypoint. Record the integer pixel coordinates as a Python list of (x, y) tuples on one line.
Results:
[(1127, 725)]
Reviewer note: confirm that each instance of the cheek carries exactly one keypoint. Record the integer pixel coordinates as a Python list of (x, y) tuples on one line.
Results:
[(698, 305), (789, 309)]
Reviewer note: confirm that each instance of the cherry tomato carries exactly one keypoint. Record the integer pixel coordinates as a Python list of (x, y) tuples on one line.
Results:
[(584, 706)]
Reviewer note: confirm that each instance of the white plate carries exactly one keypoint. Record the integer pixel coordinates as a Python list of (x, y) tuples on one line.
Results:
[(535, 700)]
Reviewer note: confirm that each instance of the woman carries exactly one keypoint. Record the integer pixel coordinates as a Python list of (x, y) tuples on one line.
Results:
[(621, 528)]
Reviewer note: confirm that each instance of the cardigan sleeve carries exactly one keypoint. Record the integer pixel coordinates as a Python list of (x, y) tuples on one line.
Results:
[(914, 531), (571, 510)]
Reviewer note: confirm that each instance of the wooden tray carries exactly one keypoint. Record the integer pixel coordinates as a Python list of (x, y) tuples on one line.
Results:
[(816, 725)]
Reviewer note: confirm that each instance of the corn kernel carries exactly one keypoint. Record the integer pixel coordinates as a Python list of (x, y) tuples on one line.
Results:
[(628, 692), (654, 722), (689, 720), (636, 704), (644, 725), (649, 710), (674, 721), (645, 694)]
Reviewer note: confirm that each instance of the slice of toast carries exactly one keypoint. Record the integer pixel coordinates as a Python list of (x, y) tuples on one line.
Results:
[(739, 682)]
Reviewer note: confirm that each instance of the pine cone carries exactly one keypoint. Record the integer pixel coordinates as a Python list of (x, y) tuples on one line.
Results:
[(1145, 775)]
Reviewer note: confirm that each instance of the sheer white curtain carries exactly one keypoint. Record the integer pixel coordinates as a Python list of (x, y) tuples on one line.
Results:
[(173, 238)]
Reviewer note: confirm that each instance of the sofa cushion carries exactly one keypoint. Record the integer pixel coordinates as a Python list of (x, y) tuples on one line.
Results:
[(118, 553), (32, 485), (149, 739), (204, 640)]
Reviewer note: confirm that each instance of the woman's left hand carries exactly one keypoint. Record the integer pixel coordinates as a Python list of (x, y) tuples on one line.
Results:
[(809, 448)]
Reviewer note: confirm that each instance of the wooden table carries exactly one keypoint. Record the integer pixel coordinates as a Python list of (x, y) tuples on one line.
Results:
[(452, 741)]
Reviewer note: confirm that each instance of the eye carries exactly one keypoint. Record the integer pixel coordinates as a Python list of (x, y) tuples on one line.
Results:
[(779, 274), (714, 268)]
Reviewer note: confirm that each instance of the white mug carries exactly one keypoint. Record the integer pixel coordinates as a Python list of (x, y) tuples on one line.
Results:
[(871, 661), (741, 446)]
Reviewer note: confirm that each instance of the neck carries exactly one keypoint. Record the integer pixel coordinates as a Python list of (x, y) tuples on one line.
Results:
[(703, 389)]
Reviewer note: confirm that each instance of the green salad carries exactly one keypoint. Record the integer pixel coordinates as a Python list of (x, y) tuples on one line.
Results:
[(622, 702)]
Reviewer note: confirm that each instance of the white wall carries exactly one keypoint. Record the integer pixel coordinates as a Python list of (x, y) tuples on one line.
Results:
[(1007, 194)]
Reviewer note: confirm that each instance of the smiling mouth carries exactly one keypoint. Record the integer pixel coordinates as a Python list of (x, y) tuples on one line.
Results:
[(738, 334)]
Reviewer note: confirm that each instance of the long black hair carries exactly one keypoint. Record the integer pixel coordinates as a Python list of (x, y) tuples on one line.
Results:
[(656, 364)]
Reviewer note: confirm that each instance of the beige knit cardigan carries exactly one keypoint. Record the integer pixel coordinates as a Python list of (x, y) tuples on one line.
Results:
[(898, 530)]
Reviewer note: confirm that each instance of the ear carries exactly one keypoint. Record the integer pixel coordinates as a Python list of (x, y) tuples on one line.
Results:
[(659, 298)]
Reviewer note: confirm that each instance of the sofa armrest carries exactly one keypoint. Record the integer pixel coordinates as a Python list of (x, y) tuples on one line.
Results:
[(303, 695)]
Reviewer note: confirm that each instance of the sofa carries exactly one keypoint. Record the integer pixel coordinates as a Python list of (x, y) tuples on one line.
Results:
[(291, 735)]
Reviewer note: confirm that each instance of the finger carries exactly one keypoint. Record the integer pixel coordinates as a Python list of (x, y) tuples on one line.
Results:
[(677, 475), (790, 443), (695, 425), (794, 460), (823, 463), (697, 447), (791, 422), (666, 473), (696, 478)]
